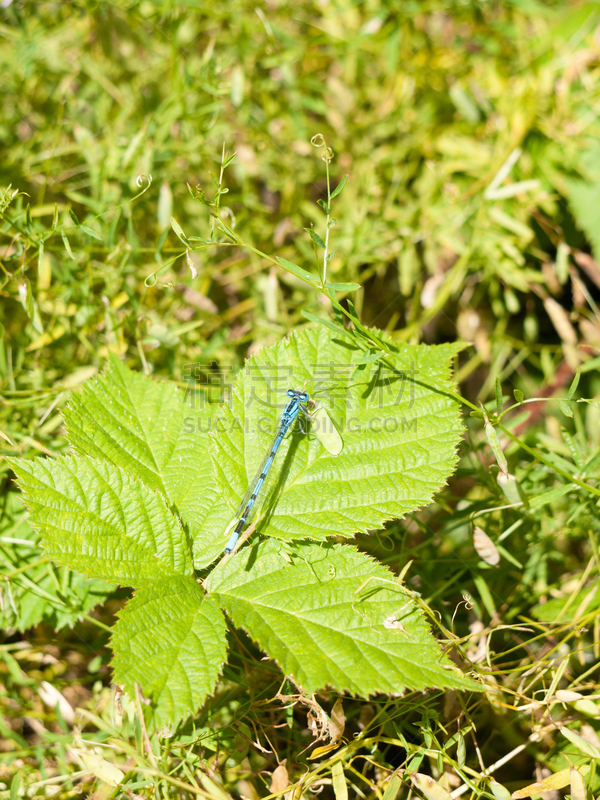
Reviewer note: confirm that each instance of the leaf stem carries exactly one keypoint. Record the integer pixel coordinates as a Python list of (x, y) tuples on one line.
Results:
[(326, 157)]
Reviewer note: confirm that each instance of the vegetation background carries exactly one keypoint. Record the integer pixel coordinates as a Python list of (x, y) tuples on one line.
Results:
[(470, 135)]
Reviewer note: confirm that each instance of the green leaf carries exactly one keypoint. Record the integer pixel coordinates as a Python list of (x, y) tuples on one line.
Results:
[(565, 408), (494, 443), (539, 500), (90, 232), (179, 232), (584, 199), (96, 519), (313, 609), (400, 431), (592, 463), (461, 751), (40, 263), (324, 206), (566, 608), (581, 743), (30, 305), (574, 385), (228, 159), (315, 237), (337, 329), (67, 245), (146, 427), (369, 358), (499, 791), (343, 287), (519, 396), (340, 787), (34, 590), (354, 314), (171, 640), (339, 187), (15, 785), (391, 790), (298, 271), (499, 400)]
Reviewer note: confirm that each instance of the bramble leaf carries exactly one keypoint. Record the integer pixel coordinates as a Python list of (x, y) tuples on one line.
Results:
[(317, 609), (147, 427), (34, 589), (170, 639), (95, 518), (332, 616), (399, 426)]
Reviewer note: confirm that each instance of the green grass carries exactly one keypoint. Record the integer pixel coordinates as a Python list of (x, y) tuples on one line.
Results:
[(422, 103)]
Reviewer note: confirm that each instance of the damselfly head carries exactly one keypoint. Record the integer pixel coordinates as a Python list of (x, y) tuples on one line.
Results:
[(302, 396)]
